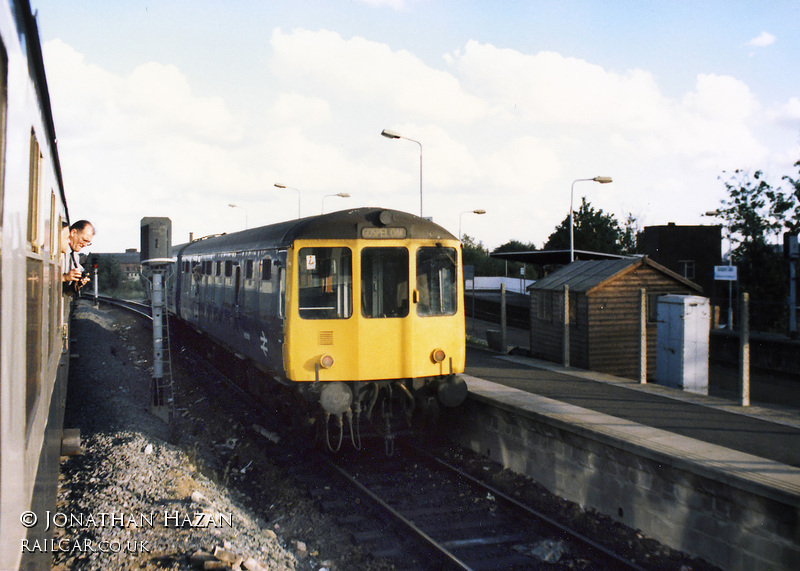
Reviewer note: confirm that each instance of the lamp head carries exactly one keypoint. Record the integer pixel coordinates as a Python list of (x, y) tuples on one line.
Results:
[(390, 134), (602, 179)]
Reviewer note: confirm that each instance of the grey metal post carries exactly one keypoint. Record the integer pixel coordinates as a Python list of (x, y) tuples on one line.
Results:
[(566, 325), (793, 295), (158, 334), (643, 336), (503, 332), (95, 286), (532, 314), (744, 349), (473, 304)]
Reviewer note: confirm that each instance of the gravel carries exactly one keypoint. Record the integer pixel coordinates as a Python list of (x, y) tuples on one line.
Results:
[(149, 495)]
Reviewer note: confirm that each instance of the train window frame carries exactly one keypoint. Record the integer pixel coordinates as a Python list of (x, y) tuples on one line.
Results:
[(445, 303), (384, 290), (325, 282), (266, 269), (3, 124), (34, 191)]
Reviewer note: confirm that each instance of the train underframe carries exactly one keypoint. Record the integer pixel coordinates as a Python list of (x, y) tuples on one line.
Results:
[(331, 412), (387, 407)]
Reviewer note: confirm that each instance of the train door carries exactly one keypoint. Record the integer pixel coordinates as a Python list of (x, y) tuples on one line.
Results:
[(385, 333), (237, 287), (438, 318)]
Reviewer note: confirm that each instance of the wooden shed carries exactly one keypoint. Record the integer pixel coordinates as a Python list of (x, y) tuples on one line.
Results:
[(605, 313)]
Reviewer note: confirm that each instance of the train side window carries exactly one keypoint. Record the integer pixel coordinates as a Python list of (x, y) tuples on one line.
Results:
[(384, 282), (248, 269), (228, 269), (436, 281), (34, 182), (217, 272), (325, 281), (266, 269), (3, 118)]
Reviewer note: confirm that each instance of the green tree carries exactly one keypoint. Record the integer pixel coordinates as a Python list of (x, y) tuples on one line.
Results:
[(792, 219), (595, 231), (753, 211), (109, 274)]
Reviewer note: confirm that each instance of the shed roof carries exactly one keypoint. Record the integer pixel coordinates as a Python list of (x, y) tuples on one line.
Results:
[(584, 276)]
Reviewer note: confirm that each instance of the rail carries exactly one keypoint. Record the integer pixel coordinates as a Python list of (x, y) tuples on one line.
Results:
[(467, 523), (139, 308)]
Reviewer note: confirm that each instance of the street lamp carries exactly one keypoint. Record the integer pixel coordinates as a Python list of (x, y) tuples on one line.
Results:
[(478, 211), (245, 213), (339, 194), (601, 180), (393, 135), (717, 214), (278, 185)]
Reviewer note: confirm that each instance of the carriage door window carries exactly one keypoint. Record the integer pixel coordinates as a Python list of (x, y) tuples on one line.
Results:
[(436, 281), (325, 283), (384, 282)]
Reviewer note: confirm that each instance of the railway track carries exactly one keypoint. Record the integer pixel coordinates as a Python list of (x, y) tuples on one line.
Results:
[(137, 307), (464, 523), (417, 511)]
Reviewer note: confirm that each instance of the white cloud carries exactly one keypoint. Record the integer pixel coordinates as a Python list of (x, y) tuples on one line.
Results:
[(762, 40), (500, 129), (360, 71)]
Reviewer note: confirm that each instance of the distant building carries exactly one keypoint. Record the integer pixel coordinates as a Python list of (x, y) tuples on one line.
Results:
[(689, 251), (128, 262)]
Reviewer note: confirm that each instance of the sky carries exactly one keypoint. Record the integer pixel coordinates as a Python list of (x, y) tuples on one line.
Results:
[(180, 108)]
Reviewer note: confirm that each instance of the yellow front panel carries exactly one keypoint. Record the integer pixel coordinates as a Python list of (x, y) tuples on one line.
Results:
[(371, 348)]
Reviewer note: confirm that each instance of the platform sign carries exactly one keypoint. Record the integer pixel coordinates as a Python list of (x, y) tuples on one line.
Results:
[(725, 273), (469, 273)]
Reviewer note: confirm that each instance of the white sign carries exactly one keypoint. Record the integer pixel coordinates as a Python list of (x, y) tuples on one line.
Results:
[(725, 273)]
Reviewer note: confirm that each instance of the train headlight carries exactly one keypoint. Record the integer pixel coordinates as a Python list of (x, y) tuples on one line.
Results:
[(326, 361), (438, 355)]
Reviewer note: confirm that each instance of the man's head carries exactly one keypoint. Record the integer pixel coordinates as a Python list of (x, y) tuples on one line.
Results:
[(81, 234)]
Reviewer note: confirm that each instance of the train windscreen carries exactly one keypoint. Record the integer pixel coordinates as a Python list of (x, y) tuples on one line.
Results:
[(436, 281), (325, 281), (384, 282)]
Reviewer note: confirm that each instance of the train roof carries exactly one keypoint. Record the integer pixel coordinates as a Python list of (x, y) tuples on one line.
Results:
[(374, 223)]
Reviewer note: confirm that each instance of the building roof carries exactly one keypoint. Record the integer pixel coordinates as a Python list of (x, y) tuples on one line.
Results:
[(586, 275), (548, 257)]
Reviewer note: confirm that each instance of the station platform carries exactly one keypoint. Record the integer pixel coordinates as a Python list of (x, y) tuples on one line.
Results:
[(700, 473), (766, 430)]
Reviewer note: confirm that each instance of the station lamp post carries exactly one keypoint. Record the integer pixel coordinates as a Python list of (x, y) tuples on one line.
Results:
[(279, 185), (245, 213), (601, 180), (393, 135), (339, 194), (478, 211)]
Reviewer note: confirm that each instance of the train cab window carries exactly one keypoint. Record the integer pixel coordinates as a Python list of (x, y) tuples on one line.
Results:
[(384, 282), (266, 269), (325, 279), (436, 281)]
